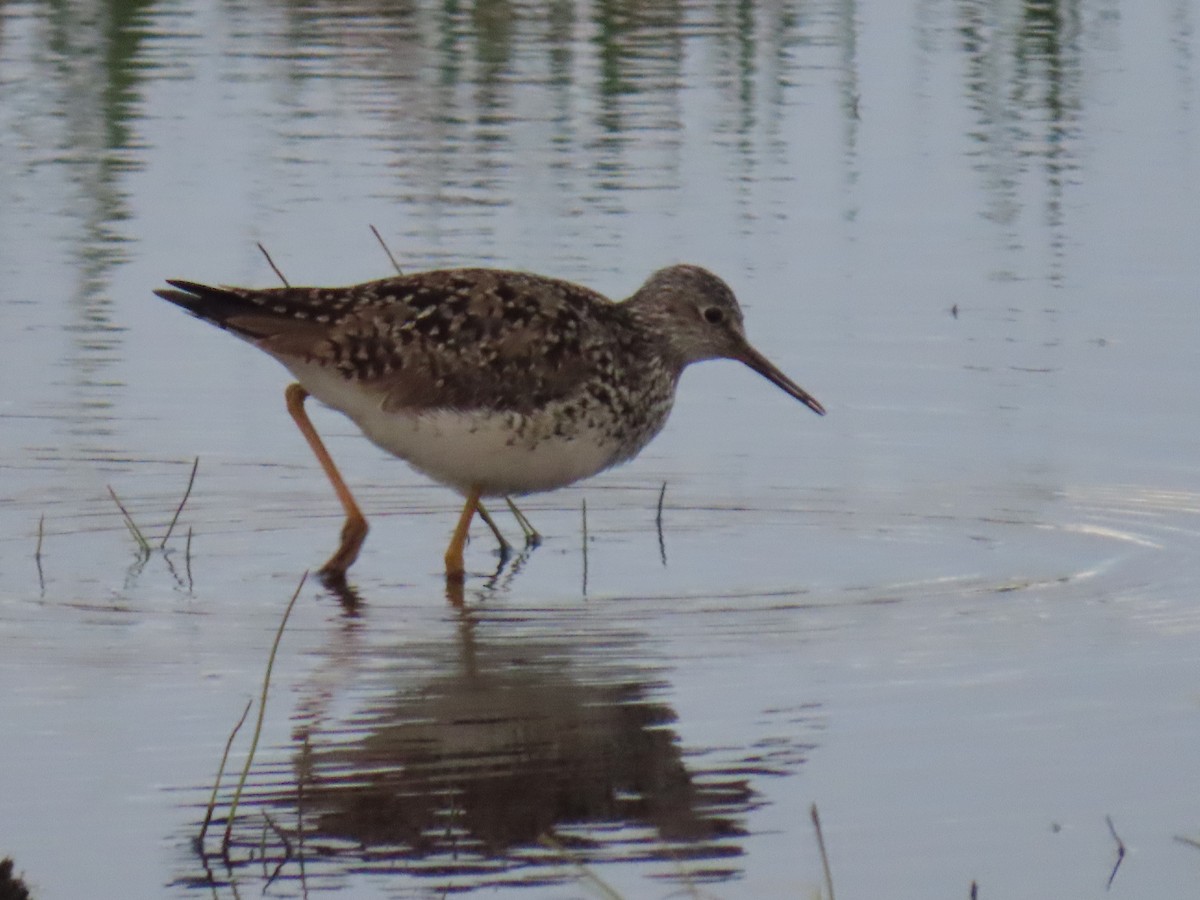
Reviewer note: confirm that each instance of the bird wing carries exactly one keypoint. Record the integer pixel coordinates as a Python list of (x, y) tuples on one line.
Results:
[(457, 338)]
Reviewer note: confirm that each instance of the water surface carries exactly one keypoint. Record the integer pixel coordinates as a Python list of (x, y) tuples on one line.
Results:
[(958, 613)]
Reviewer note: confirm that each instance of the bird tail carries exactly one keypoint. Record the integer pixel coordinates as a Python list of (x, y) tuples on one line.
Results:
[(212, 304), (285, 322)]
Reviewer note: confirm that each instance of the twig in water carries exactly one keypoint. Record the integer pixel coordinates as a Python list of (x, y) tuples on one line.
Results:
[(379, 237), (662, 545), (583, 512), (187, 493), (187, 557), (1120, 852), (143, 544), (212, 800), (271, 263), (816, 820), (262, 708), (37, 552)]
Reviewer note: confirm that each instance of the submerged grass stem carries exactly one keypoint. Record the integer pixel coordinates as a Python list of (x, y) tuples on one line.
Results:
[(143, 544), (816, 820), (37, 551), (212, 799), (262, 708), (186, 493)]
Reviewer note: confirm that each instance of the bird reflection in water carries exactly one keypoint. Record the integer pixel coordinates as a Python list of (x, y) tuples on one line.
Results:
[(501, 758)]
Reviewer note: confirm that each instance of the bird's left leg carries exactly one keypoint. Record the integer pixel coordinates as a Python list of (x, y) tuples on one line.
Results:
[(505, 546), (454, 553), (532, 538)]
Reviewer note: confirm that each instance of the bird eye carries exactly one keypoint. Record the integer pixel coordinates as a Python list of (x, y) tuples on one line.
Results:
[(714, 315)]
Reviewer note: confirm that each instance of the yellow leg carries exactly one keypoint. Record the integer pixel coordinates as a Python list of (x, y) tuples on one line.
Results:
[(454, 553), (354, 531)]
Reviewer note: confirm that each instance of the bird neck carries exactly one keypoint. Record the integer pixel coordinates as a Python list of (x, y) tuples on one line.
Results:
[(652, 324)]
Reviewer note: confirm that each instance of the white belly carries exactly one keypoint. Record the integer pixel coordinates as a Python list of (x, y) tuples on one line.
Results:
[(502, 455), (505, 453)]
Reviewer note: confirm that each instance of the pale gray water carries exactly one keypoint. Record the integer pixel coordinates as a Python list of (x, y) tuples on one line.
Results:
[(958, 614)]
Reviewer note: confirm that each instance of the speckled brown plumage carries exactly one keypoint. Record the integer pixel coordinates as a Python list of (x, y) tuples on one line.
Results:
[(456, 339), (488, 380)]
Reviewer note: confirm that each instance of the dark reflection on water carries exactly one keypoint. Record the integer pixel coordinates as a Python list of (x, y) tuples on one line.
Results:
[(1025, 85), (496, 758), (467, 109), (81, 124), (458, 96), (90, 57), (586, 100)]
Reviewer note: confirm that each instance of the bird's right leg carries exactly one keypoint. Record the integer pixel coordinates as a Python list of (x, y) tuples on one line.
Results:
[(354, 531)]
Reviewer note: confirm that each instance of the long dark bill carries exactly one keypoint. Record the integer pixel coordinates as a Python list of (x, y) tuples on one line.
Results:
[(768, 370)]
